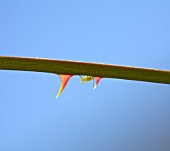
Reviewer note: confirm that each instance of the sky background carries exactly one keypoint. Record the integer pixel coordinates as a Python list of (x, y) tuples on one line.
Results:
[(119, 115)]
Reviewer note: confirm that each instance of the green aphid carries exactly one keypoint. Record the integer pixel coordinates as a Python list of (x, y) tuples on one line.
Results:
[(86, 79)]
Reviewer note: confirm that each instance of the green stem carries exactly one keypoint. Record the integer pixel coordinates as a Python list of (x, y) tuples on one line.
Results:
[(84, 68)]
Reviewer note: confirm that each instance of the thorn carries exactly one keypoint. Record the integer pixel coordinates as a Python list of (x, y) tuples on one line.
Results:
[(64, 79), (97, 81)]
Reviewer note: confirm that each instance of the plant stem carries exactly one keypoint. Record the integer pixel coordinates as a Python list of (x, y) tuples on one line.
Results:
[(84, 68)]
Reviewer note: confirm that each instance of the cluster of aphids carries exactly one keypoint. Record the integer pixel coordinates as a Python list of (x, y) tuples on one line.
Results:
[(66, 78)]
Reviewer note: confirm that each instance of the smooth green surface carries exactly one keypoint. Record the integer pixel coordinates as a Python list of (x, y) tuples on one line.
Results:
[(84, 68)]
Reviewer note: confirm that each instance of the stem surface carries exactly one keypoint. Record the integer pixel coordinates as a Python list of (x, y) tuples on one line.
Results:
[(84, 68)]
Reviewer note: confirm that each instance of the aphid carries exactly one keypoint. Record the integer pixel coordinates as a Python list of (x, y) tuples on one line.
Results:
[(89, 78), (64, 80), (86, 79)]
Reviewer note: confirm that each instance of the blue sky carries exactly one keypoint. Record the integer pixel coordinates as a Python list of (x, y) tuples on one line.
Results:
[(119, 115)]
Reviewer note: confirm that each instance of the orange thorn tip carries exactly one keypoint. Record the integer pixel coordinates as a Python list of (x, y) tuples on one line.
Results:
[(97, 81), (64, 79)]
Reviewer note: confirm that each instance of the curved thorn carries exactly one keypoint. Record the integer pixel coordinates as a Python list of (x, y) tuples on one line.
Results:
[(97, 81), (64, 80)]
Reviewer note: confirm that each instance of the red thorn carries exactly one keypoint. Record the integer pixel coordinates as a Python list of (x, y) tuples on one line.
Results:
[(97, 81), (64, 79)]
